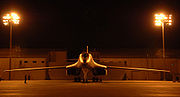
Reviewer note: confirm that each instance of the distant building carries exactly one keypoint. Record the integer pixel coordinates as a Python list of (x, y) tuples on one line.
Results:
[(27, 58), (141, 58)]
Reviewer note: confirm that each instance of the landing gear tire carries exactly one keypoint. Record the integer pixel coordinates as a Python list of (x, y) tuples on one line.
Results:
[(96, 79), (85, 80), (77, 79), (93, 79), (100, 80)]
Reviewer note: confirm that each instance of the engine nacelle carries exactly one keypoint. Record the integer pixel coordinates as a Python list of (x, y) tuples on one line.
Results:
[(99, 71), (74, 71)]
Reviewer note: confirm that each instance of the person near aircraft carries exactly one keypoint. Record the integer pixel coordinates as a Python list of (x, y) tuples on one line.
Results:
[(25, 78)]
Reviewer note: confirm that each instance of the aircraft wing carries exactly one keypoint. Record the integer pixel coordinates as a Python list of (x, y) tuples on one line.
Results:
[(36, 68), (138, 69)]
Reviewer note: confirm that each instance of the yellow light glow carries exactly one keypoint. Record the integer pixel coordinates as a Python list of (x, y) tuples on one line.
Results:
[(13, 17), (159, 21), (7, 16), (161, 18), (5, 23), (158, 24), (156, 17)]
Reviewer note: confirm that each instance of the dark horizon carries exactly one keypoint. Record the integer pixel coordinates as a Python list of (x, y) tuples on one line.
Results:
[(99, 24)]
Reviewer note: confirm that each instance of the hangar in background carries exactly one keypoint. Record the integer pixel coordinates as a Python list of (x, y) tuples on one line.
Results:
[(24, 58), (144, 58)]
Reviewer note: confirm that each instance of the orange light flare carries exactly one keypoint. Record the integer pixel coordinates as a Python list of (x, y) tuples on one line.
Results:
[(13, 17), (161, 18)]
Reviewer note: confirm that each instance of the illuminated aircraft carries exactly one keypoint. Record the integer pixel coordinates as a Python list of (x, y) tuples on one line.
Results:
[(84, 65)]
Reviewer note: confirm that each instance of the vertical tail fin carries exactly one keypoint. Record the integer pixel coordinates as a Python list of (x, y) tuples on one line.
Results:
[(87, 49)]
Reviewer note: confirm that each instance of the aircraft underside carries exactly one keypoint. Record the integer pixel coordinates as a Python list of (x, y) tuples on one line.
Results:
[(81, 74)]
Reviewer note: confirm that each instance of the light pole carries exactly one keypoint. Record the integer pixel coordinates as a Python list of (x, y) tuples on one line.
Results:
[(162, 20), (10, 19)]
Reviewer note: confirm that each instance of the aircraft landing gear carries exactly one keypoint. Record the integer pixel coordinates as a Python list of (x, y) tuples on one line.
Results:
[(93, 79), (100, 80), (96, 79), (77, 79), (85, 80)]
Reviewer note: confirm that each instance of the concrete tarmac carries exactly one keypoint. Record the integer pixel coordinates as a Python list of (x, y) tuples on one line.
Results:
[(109, 88)]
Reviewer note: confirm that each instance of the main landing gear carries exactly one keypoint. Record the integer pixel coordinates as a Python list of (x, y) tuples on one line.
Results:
[(85, 80), (77, 79), (96, 79)]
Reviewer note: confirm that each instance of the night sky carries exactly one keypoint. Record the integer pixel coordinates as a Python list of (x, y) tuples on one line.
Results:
[(101, 24)]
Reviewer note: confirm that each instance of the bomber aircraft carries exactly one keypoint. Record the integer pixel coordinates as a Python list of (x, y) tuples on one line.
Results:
[(84, 65)]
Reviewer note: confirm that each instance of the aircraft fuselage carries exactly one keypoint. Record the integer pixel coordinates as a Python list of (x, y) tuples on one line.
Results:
[(85, 65)]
